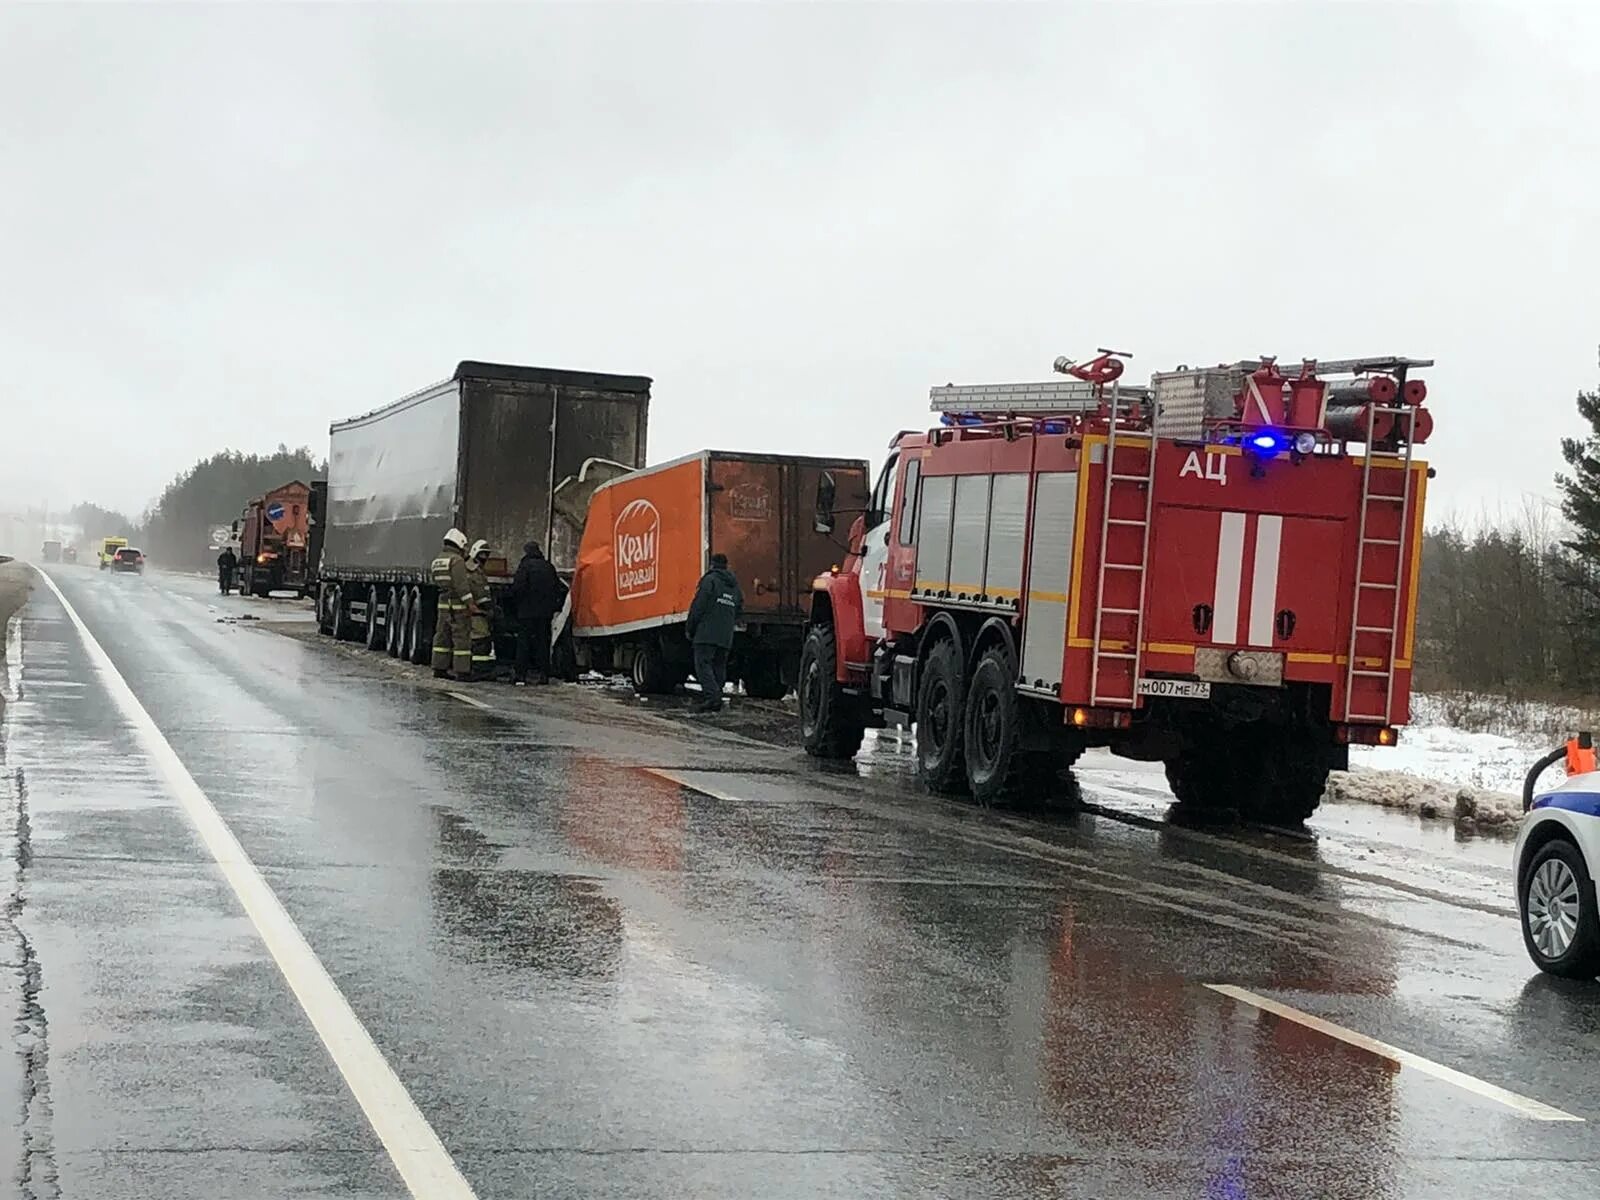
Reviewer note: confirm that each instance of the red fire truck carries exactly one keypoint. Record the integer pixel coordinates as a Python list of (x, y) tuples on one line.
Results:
[(1216, 571)]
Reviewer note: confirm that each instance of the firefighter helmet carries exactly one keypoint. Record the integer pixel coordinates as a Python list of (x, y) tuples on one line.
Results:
[(480, 548), (456, 540)]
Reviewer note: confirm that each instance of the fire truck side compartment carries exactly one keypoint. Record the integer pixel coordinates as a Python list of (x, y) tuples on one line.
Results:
[(1044, 637)]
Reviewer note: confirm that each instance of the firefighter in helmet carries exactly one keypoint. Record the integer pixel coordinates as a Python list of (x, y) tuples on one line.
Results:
[(482, 624), (452, 634)]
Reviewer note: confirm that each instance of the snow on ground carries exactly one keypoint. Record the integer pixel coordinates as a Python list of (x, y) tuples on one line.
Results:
[(1463, 760), (1489, 761)]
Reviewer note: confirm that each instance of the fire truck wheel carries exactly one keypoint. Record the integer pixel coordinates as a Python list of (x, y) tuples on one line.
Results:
[(830, 724), (1043, 781), (1286, 784), (940, 726), (1202, 780), (997, 767)]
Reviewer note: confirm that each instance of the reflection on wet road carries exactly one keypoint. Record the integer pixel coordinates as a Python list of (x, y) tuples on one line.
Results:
[(610, 954)]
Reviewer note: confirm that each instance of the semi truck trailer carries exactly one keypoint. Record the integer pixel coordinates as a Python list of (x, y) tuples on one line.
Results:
[(481, 451)]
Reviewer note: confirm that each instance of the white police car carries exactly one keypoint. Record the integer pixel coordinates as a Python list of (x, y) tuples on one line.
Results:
[(1558, 856)]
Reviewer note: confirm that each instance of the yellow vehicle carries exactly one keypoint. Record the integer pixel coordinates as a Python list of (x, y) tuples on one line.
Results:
[(109, 548)]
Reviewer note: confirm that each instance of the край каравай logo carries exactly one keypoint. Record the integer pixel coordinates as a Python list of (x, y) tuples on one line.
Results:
[(636, 538)]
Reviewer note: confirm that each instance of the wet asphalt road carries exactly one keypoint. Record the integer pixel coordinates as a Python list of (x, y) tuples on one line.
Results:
[(775, 981)]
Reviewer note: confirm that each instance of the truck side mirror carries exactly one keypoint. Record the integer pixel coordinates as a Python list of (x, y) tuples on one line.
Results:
[(236, 527), (827, 494), (858, 535)]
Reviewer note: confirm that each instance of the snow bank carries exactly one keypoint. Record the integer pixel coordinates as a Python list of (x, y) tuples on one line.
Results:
[(1432, 799), (1463, 760), (1487, 761)]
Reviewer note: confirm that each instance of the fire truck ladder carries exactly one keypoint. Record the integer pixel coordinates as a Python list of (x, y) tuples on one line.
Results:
[(1118, 479), (1390, 585)]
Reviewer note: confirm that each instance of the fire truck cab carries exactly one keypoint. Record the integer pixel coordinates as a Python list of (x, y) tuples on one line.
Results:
[(1216, 571)]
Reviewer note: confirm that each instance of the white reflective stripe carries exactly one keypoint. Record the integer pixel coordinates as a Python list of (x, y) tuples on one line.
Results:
[(1259, 402), (1264, 580), (1230, 574), (467, 599)]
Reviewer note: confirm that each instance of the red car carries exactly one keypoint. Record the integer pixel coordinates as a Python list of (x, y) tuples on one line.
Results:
[(128, 558)]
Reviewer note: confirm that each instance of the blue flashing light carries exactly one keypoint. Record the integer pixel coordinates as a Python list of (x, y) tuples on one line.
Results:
[(1265, 443)]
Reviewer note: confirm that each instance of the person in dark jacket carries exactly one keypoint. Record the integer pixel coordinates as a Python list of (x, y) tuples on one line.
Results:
[(718, 602), (227, 564), (536, 596)]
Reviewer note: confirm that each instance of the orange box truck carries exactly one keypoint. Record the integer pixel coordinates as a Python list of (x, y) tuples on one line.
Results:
[(649, 535)]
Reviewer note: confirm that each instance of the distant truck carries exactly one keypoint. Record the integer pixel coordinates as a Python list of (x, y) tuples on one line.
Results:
[(52, 551), (481, 451), (108, 550), (274, 541), (649, 536)]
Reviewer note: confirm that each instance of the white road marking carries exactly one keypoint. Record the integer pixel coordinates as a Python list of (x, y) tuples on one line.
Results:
[(414, 1148), (1522, 1104), (674, 778), (466, 699)]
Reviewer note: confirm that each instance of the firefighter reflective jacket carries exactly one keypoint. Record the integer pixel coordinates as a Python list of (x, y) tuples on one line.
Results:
[(454, 581), (479, 586)]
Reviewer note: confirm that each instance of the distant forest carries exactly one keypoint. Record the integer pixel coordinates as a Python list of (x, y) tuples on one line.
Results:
[(1508, 609), (1514, 607), (175, 531)]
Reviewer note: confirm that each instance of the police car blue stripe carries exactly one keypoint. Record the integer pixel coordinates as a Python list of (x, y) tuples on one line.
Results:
[(1584, 803)]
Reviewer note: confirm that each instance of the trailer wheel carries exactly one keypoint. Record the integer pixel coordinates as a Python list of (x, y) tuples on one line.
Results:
[(325, 593), (763, 677), (343, 627), (424, 615), (940, 724), (394, 622), (830, 720), (409, 636), (370, 632), (652, 676)]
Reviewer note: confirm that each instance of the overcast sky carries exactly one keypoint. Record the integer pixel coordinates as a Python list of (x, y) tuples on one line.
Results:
[(227, 226)]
